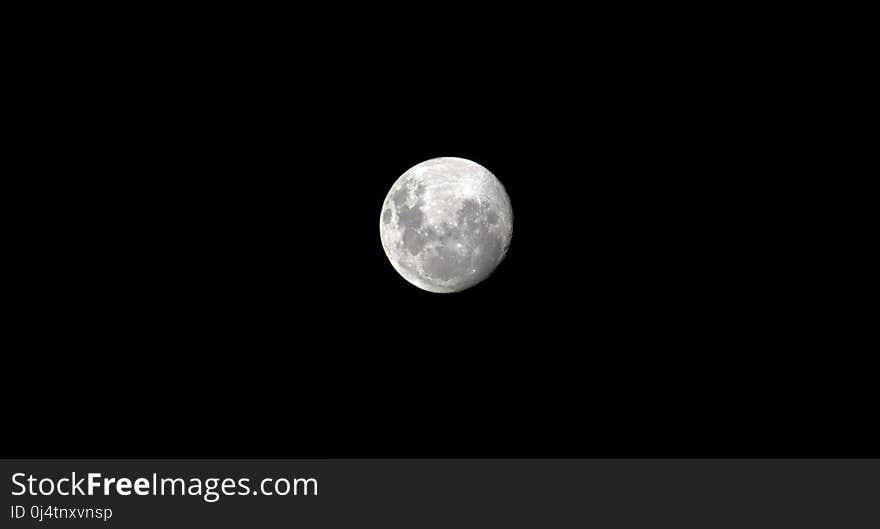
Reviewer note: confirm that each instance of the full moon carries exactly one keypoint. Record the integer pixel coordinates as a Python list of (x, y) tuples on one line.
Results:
[(446, 224)]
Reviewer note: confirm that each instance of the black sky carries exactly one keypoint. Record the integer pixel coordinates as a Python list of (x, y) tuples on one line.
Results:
[(205, 275)]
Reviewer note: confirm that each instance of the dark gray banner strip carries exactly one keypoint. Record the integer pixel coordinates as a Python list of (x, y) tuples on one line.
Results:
[(442, 493)]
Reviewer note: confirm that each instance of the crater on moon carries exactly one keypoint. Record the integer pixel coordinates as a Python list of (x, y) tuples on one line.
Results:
[(446, 224)]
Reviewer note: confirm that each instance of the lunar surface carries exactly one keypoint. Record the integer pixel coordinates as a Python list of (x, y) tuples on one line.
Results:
[(446, 224)]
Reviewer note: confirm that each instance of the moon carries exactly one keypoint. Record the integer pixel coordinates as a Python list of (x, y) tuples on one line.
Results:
[(446, 224)]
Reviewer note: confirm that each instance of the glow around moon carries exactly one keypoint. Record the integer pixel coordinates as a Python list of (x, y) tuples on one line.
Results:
[(446, 224)]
